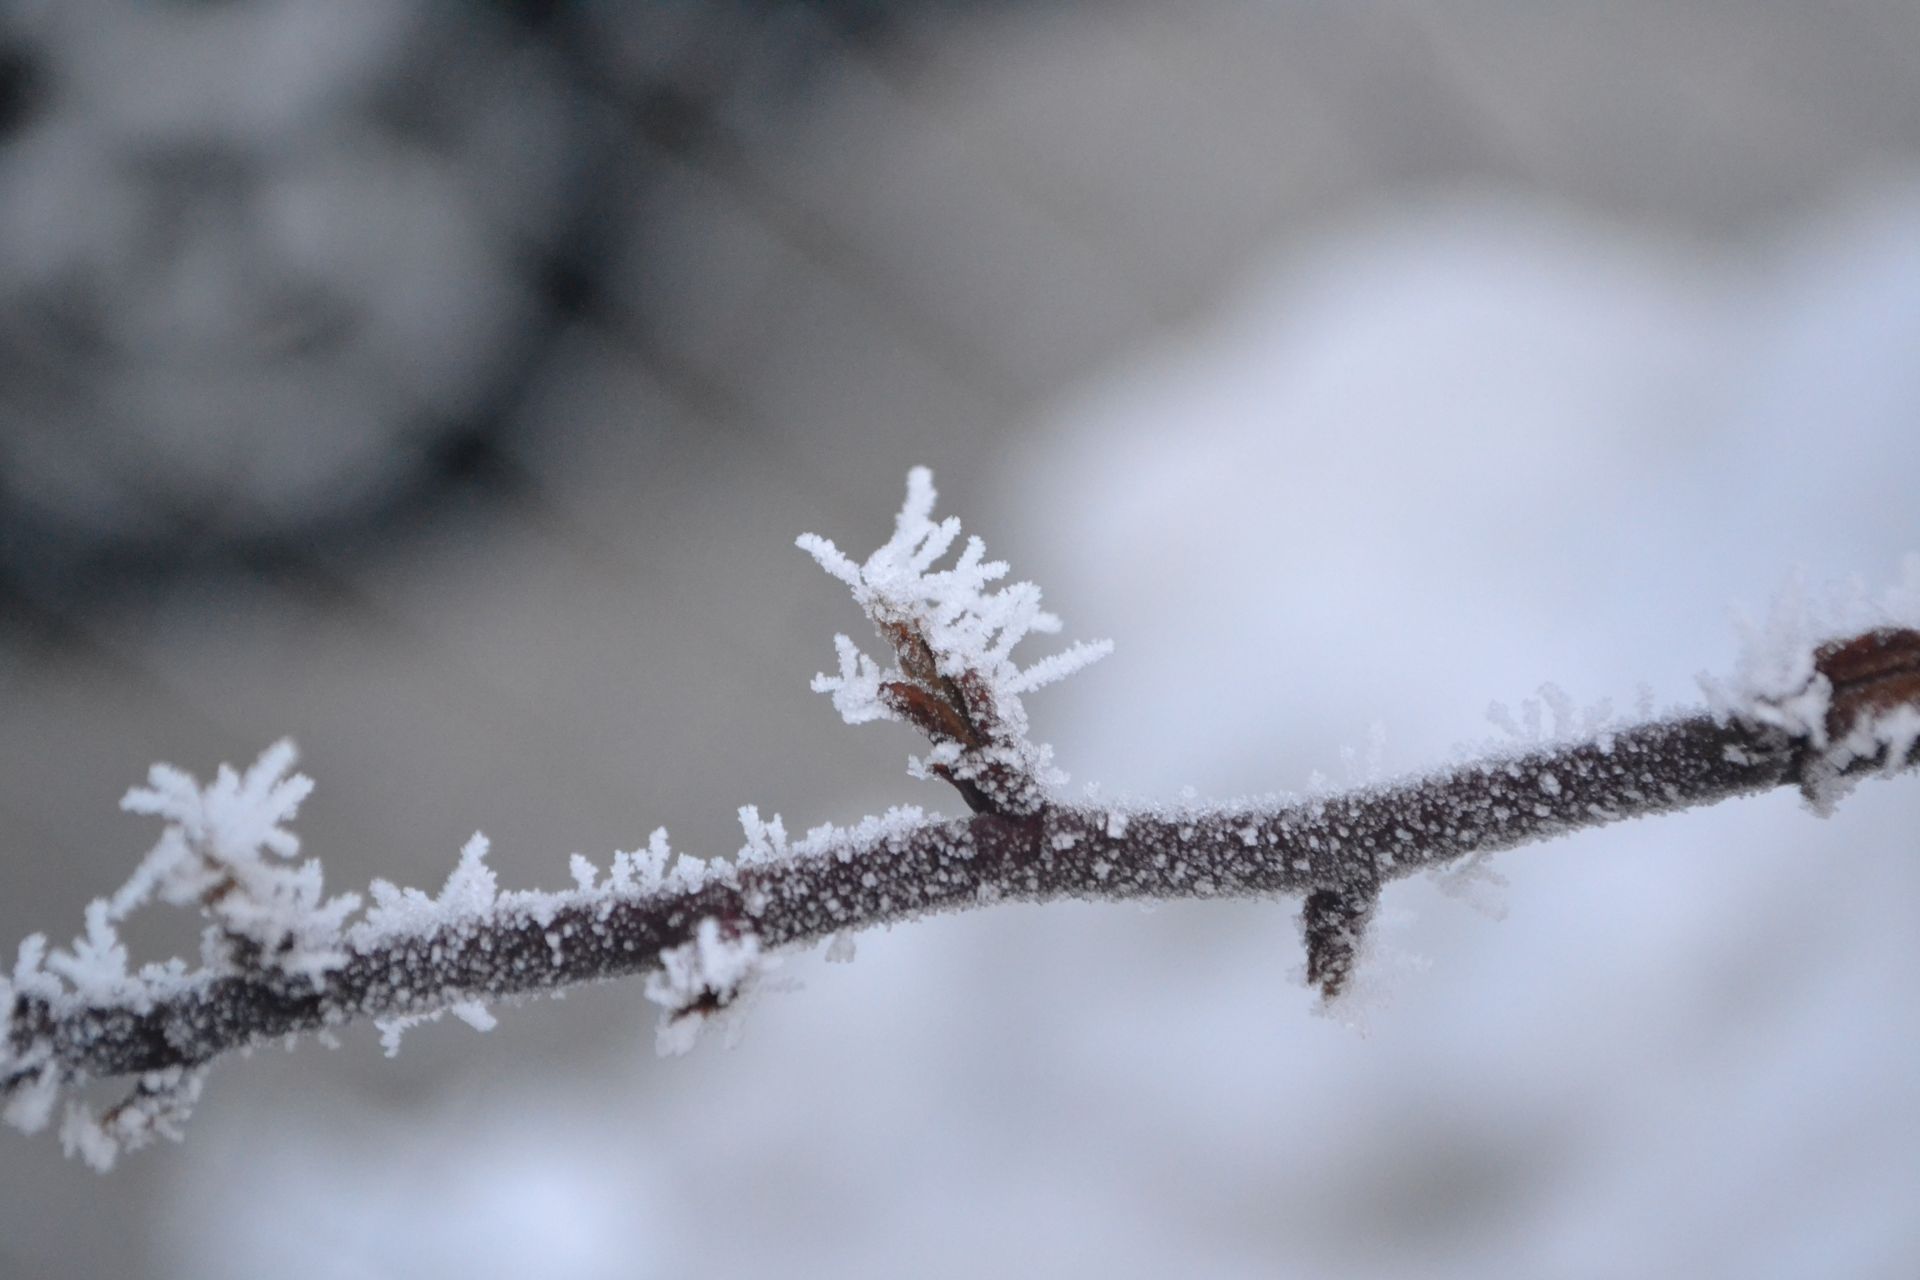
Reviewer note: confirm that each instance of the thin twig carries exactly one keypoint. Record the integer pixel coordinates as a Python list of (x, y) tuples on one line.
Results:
[(282, 958), (1336, 843)]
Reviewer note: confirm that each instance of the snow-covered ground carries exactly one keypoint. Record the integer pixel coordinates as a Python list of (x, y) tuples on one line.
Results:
[(1433, 459)]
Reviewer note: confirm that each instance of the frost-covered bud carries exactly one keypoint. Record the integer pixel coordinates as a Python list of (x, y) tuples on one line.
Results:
[(952, 637), (1870, 676), (701, 979)]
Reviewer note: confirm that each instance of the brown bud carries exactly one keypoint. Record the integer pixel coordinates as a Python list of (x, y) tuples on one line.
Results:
[(1870, 674), (1335, 921), (926, 711)]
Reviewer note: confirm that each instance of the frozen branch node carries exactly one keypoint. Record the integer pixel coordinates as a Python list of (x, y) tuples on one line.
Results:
[(703, 980), (954, 677)]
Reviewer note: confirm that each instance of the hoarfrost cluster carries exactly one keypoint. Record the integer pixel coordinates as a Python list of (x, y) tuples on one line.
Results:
[(702, 978), (225, 848), (953, 639)]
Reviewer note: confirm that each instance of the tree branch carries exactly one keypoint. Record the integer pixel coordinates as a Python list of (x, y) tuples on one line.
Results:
[(1331, 843), (281, 960)]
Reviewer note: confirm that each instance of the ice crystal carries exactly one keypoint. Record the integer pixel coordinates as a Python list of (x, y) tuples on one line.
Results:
[(393, 1029)]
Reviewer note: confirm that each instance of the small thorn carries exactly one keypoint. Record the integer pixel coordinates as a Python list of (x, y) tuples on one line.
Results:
[(1336, 920)]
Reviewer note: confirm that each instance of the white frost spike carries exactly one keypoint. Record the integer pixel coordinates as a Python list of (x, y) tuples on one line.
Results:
[(475, 1015), (393, 1030), (472, 887), (643, 870), (229, 821), (29, 973), (96, 964), (1061, 665), (856, 690), (585, 874), (766, 841), (703, 979), (470, 892)]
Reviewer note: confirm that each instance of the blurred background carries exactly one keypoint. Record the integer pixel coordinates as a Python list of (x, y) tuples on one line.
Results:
[(444, 384)]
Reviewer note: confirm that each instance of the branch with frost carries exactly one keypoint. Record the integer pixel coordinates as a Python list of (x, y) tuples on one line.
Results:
[(1812, 708), (954, 676)]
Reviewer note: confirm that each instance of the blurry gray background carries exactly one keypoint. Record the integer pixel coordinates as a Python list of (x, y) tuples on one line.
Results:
[(443, 385)]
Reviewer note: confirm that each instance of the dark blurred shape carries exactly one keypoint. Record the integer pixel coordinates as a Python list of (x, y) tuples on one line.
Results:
[(264, 266), (20, 88), (274, 274)]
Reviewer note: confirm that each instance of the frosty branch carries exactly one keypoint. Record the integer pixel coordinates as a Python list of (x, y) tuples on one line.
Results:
[(280, 959)]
